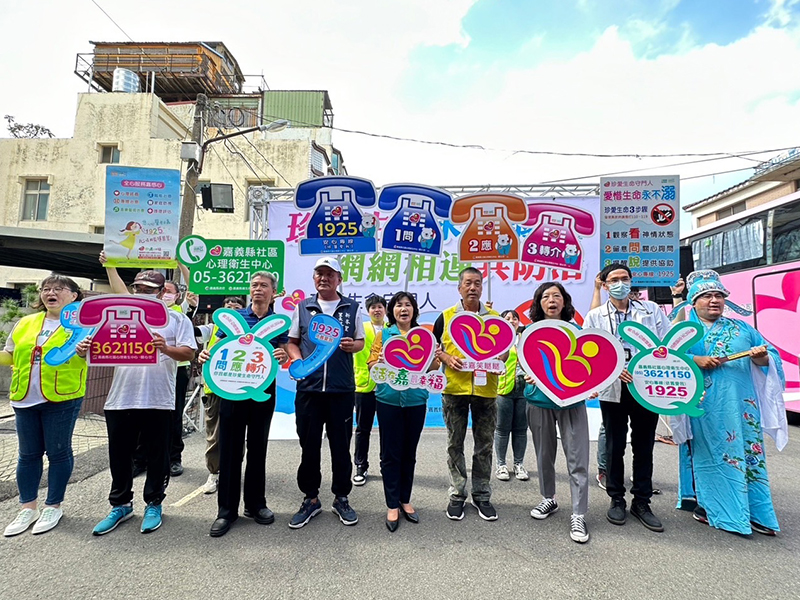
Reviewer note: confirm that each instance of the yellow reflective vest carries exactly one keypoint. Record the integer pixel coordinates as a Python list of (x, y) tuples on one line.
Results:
[(461, 383), (58, 384)]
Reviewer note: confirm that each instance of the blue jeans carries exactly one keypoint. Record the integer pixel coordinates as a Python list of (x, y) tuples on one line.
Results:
[(512, 419), (44, 428)]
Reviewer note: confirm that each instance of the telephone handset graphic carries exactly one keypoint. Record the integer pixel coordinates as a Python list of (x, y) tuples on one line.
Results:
[(122, 322), (337, 225), (554, 239), (413, 226), (489, 235)]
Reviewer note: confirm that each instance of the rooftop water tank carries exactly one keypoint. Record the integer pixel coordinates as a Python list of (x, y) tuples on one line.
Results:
[(125, 81)]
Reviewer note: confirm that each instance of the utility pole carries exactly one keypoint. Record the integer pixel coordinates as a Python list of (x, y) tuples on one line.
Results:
[(189, 202)]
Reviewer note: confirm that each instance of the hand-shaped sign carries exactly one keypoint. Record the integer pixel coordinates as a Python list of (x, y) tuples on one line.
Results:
[(569, 364), (665, 379), (405, 362), (481, 340), (241, 365), (69, 321), (326, 333)]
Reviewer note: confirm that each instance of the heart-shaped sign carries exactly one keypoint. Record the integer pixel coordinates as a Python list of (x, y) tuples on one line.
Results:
[(414, 352), (660, 353), (123, 329), (326, 333), (568, 363), (291, 302), (481, 338), (216, 251), (246, 340)]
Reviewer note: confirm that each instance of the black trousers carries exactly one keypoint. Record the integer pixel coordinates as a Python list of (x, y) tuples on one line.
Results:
[(400, 429), (334, 411), (643, 433), (176, 439), (176, 427), (365, 417), (239, 419), (124, 428)]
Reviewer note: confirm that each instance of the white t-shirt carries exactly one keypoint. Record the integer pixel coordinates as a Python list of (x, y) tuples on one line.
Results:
[(34, 395), (152, 387), (328, 307)]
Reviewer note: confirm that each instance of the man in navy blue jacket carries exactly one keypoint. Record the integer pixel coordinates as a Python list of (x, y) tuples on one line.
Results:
[(327, 396)]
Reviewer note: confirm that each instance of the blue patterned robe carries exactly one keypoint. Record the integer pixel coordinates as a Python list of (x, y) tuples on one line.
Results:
[(723, 465)]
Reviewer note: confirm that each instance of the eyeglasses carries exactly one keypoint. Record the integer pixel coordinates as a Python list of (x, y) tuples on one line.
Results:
[(145, 289), (57, 290), (618, 280)]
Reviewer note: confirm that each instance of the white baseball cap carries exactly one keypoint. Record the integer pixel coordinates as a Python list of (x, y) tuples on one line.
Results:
[(330, 262)]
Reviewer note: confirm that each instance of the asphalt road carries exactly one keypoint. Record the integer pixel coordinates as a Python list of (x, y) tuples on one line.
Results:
[(513, 557)]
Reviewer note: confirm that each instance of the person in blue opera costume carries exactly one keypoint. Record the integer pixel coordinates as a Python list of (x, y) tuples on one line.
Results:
[(723, 469)]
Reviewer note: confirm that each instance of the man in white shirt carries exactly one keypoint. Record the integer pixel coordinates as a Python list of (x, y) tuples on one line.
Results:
[(139, 406), (618, 405)]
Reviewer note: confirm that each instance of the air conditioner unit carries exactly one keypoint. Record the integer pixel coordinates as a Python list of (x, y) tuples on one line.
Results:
[(258, 194)]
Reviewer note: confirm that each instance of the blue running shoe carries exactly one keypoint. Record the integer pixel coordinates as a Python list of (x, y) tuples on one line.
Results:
[(341, 507), (152, 518), (310, 508), (118, 514)]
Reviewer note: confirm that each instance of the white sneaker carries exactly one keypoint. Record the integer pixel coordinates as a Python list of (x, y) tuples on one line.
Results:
[(502, 473), (49, 518), (25, 518), (211, 484), (520, 473), (577, 529)]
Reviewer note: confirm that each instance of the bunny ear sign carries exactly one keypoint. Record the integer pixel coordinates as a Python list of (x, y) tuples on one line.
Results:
[(230, 321), (683, 335), (273, 325), (638, 335)]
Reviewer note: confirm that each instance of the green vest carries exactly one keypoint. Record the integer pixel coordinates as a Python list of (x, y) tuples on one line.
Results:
[(364, 383), (58, 384), (507, 380)]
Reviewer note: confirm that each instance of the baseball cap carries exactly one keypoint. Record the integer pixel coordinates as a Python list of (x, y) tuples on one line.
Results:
[(330, 262), (150, 279)]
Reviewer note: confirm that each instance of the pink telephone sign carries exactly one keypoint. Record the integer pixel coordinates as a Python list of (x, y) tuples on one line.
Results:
[(554, 240), (123, 336)]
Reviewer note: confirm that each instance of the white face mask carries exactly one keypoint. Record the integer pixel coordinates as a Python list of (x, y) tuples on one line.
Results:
[(169, 299), (619, 290)]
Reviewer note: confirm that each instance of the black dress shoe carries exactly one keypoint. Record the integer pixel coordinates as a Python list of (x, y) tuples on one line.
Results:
[(392, 525), (220, 527), (413, 517), (263, 516)]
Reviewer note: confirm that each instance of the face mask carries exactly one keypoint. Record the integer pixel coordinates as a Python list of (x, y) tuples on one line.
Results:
[(619, 290), (169, 299)]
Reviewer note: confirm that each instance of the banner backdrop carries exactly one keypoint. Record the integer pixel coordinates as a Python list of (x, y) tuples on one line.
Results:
[(552, 223)]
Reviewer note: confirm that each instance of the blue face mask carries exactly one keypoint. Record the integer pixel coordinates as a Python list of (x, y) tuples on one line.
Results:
[(619, 290)]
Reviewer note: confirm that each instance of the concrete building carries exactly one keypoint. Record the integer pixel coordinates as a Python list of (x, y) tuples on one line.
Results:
[(52, 190)]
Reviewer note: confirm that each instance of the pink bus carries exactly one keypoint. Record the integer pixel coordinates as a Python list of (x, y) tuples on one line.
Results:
[(757, 253)]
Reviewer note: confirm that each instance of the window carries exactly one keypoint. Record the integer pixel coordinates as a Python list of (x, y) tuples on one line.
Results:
[(729, 211), (109, 154), (745, 242), (99, 229), (786, 233), (36, 197), (707, 252)]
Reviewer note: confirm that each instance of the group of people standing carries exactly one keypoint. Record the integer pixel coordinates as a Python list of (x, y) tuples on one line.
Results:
[(723, 474)]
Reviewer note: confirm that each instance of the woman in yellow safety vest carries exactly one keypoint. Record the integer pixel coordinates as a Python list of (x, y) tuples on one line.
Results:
[(46, 402)]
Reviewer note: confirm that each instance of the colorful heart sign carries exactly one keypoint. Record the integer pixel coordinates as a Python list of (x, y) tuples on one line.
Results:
[(569, 364), (405, 362), (414, 352), (326, 333), (665, 379), (481, 338)]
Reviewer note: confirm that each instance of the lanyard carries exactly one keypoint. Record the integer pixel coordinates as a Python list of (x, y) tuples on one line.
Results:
[(616, 320)]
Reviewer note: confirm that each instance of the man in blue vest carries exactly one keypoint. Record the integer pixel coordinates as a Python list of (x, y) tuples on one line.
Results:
[(327, 396)]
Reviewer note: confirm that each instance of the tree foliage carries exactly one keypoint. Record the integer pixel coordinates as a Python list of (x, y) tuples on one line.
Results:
[(26, 130)]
